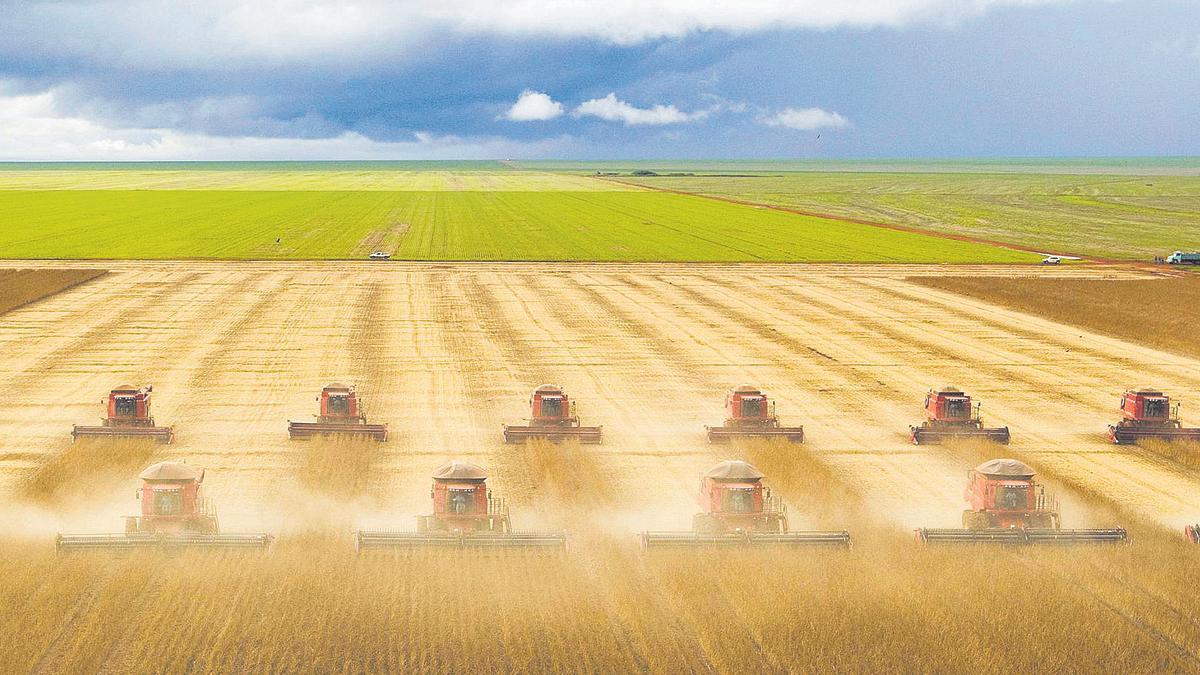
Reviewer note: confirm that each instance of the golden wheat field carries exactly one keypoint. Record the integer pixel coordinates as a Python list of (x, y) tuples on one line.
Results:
[(447, 353)]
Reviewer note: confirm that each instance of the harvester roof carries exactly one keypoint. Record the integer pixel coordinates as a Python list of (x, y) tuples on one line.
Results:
[(746, 389), (1148, 391), (171, 471), (337, 386), (953, 391), (735, 470), (1005, 468), (548, 389), (465, 471), (125, 388)]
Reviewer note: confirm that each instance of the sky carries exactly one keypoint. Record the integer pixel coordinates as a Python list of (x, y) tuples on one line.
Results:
[(616, 79)]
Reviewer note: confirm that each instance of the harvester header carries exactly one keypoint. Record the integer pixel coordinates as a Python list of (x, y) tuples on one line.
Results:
[(737, 509), (174, 514), (1149, 413), (1006, 506), (127, 415), (340, 415), (949, 413), (749, 413), (552, 417), (465, 515)]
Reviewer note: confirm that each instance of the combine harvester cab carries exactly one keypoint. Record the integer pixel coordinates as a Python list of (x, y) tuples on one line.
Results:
[(949, 414), (1148, 413), (341, 415), (465, 515), (750, 414), (175, 515), (738, 510), (127, 416), (1008, 507), (552, 417)]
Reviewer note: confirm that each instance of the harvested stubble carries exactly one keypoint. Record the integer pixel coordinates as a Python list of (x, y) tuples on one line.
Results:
[(21, 287), (1154, 312)]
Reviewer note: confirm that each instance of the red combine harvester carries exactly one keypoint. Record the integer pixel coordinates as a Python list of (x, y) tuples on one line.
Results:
[(949, 414), (1193, 533), (750, 414), (1008, 507), (552, 417), (340, 415), (737, 509), (175, 514), (128, 416), (465, 514), (1148, 413)]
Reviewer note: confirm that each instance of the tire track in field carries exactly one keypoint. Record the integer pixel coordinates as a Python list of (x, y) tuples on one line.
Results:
[(1159, 490), (945, 360), (978, 312), (110, 462), (475, 305), (893, 472)]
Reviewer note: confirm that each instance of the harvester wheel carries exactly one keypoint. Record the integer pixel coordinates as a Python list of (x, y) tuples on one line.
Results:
[(422, 524), (705, 523)]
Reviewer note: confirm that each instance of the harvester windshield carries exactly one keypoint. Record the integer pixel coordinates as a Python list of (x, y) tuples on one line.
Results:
[(958, 408), (1012, 497), (552, 407), (754, 407), (738, 500), (339, 405), (460, 500), (168, 502), (125, 406), (1155, 408)]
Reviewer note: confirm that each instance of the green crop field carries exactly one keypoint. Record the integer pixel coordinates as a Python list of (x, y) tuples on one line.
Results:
[(479, 224), (1106, 215)]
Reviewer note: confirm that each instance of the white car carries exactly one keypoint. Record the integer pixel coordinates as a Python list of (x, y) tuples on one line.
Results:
[(380, 255), (1051, 260)]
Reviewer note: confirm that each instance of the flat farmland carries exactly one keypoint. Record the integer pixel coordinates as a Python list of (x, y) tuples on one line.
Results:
[(1105, 215), (446, 353), (444, 225)]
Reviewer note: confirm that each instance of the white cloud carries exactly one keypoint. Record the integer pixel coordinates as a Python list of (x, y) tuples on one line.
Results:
[(805, 119), (533, 106), (217, 33), (614, 109), (47, 126)]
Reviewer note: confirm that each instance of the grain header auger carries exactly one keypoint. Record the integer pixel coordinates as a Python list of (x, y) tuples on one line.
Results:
[(174, 515), (949, 414), (1148, 413), (552, 417), (736, 509), (127, 415), (750, 414), (465, 515), (341, 415), (1008, 507)]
